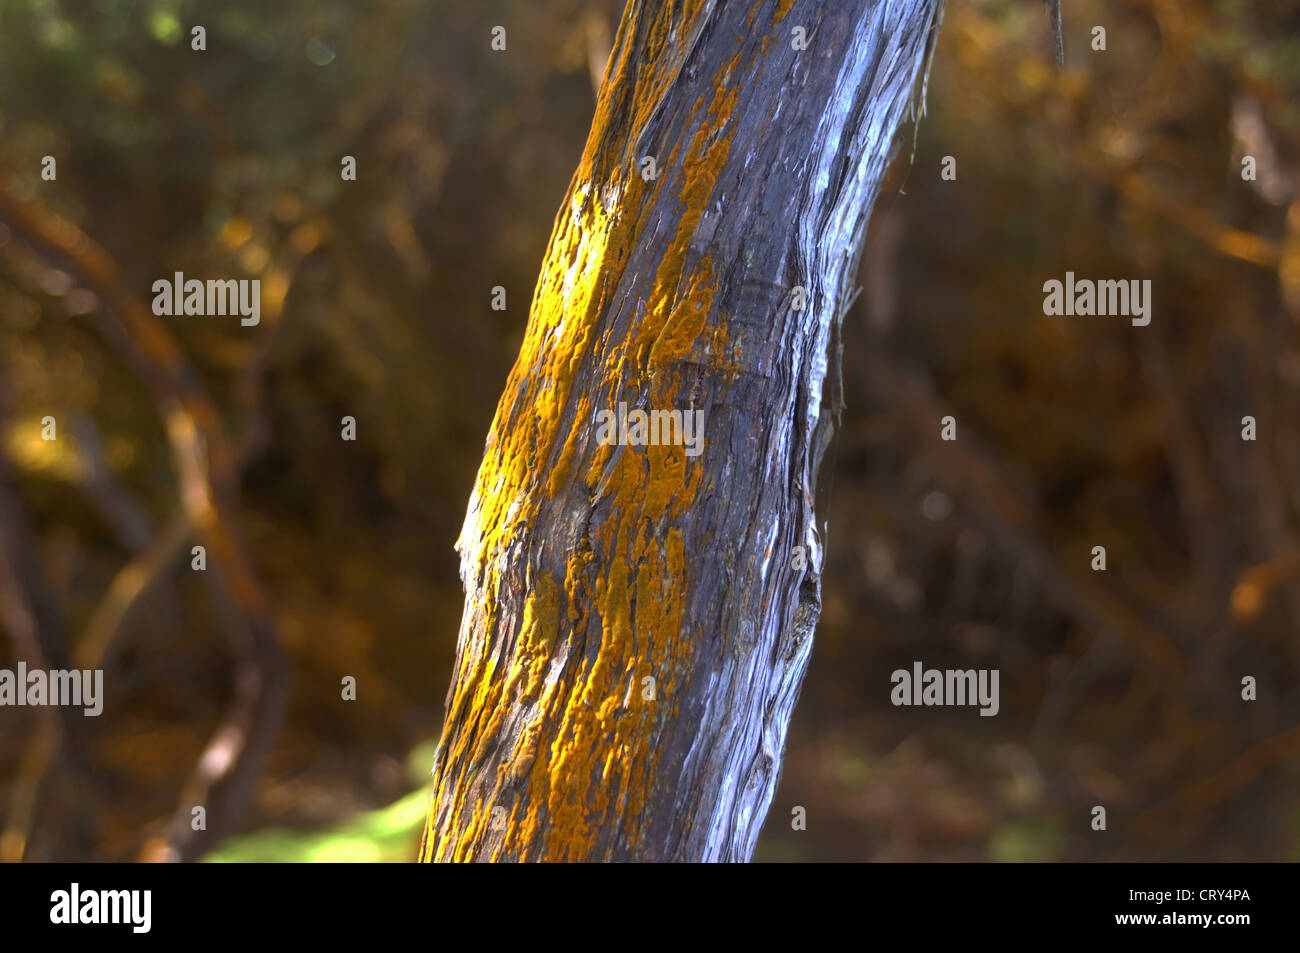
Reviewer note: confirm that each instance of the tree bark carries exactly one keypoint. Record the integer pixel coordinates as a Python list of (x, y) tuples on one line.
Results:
[(638, 620)]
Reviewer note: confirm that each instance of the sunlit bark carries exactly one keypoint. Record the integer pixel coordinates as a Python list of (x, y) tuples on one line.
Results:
[(638, 619)]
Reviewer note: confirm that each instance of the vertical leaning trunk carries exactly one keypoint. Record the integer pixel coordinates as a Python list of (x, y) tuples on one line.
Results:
[(639, 615)]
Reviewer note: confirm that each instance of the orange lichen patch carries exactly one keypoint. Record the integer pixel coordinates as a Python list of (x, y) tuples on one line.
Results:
[(782, 8), (601, 763), (537, 638), (665, 329), (602, 758), (635, 86), (688, 320), (529, 419), (562, 681), (561, 471), (705, 160)]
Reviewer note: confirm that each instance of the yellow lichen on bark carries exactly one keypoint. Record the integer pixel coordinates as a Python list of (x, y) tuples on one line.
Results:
[(529, 418), (603, 756), (582, 736)]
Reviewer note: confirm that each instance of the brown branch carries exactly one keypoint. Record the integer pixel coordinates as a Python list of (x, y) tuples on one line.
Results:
[(1225, 239), (42, 750), (28, 614), (19, 618), (1255, 583), (132, 581), (1011, 520), (990, 46), (206, 466), (1195, 490), (128, 519), (26, 608), (250, 385), (1220, 786)]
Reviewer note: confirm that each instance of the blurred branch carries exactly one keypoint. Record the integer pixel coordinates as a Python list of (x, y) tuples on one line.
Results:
[(1175, 812), (1225, 239), (250, 385), (1195, 489), (26, 609), (599, 45), (226, 773), (1053, 8), (42, 749), (1254, 584), (33, 623), (131, 582), (129, 519), (1192, 28), (1011, 521), (1189, 25)]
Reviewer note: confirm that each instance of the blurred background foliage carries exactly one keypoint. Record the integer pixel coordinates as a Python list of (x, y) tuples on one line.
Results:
[(1119, 688)]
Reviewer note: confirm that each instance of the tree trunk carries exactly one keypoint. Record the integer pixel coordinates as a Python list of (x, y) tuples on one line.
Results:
[(638, 619)]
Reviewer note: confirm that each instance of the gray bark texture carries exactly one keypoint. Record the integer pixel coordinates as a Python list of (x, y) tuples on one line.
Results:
[(638, 619)]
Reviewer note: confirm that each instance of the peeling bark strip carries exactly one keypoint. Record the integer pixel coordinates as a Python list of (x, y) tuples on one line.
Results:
[(592, 569)]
